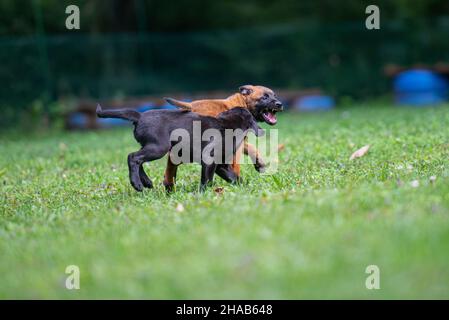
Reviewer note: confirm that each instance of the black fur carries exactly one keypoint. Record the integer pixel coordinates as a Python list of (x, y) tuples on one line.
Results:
[(127, 114), (152, 129)]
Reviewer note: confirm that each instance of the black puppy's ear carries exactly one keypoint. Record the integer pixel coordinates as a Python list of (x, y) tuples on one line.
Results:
[(245, 90)]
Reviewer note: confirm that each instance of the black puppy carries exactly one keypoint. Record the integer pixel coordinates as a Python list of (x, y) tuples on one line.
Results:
[(153, 130)]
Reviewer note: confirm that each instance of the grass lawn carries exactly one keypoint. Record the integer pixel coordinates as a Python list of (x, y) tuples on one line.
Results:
[(307, 232)]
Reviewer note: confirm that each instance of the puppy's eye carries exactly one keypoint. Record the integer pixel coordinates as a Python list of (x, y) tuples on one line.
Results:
[(265, 96)]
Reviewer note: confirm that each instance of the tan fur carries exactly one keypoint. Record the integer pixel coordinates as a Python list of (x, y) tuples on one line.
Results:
[(212, 107)]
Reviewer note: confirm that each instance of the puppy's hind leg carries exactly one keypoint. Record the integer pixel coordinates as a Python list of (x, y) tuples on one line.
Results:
[(135, 161), (170, 175), (144, 178), (207, 175)]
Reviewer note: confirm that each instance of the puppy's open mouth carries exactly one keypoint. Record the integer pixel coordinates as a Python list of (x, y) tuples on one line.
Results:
[(270, 117)]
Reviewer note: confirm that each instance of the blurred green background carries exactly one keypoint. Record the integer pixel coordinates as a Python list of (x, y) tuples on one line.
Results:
[(141, 47)]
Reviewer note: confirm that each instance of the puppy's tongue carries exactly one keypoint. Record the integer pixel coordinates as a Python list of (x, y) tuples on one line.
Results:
[(269, 117)]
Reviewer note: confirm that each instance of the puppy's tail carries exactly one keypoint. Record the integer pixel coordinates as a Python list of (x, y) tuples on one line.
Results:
[(127, 114), (177, 103)]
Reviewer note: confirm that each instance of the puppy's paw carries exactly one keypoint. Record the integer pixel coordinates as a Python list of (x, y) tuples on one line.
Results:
[(138, 186), (238, 180), (146, 182), (169, 187), (260, 167)]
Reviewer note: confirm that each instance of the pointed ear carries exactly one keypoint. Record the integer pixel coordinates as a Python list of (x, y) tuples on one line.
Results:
[(245, 90)]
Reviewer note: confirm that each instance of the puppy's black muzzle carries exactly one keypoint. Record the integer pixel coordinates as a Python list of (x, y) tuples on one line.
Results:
[(267, 111)]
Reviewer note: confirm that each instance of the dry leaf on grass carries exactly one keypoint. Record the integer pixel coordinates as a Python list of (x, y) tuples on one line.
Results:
[(360, 153), (281, 147), (219, 190)]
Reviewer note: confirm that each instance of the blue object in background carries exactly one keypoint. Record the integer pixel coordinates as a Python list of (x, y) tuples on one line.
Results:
[(420, 88), (314, 103), (147, 106), (78, 120)]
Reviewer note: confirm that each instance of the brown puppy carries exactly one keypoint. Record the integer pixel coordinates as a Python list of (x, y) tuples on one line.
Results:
[(263, 104)]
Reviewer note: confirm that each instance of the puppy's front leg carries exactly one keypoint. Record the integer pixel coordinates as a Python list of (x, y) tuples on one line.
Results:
[(207, 175), (225, 172), (251, 151)]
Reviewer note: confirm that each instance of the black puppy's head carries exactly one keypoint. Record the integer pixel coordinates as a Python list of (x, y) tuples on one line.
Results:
[(241, 118), (262, 102)]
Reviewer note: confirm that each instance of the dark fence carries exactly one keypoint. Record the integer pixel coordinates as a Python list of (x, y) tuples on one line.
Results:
[(343, 60)]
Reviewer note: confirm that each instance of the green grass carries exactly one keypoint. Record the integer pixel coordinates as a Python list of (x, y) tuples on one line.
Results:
[(307, 232)]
